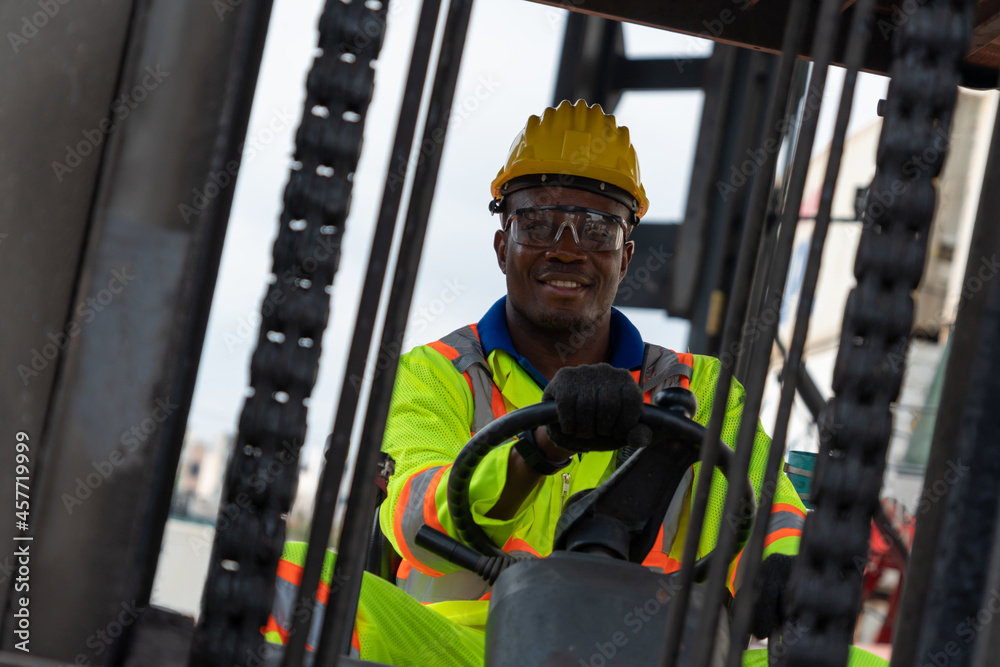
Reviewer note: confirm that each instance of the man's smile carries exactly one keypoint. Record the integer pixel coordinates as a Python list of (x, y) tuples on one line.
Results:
[(563, 284)]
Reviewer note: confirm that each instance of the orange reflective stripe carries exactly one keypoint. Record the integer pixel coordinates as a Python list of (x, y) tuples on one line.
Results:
[(290, 572), (403, 572), (686, 358), (647, 397), (430, 502), (397, 527), (781, 534), (452, 354), (786, 507), (322, 592), (445, 349), (497, 404), (486, 595), (272, 626), (661, 560), (517, 544), (736, 568), (657, 547), (656, 557)]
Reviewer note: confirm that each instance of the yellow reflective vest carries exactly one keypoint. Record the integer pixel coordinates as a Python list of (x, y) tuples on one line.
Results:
[(450, 389)]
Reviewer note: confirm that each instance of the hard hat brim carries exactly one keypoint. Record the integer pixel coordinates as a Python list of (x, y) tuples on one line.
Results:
[(568, 181)]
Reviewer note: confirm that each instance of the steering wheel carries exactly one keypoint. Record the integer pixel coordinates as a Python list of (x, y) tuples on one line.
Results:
[(680, 428)]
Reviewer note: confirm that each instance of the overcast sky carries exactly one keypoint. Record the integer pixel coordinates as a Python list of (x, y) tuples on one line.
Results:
[(508, 73)]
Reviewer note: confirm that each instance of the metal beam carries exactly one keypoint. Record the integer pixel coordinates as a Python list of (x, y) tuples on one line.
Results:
[(646, 285), (113, 432), (45, 217), (758, 26), (660, 73), (987, 25), (725, 195), (927, 604), (593, 65), (692, 237), (11, 659)]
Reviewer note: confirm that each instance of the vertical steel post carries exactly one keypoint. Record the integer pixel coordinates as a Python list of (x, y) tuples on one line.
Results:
[(339, 441), (792, 379), (957, 598), (826, 30), (794, 33), (131, 330), (824, 591), (342, 607)]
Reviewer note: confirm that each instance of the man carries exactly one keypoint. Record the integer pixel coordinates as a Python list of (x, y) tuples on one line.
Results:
[(567, 197)]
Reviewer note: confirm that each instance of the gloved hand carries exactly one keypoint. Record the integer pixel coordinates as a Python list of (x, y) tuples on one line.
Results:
[(768, 611), (599, 408)]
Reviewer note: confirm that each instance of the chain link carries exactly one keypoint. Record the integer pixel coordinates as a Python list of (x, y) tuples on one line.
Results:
[(262, 473), (825, 587)]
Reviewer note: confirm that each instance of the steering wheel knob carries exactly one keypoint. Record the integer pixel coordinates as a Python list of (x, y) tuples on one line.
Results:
[(677, 399)]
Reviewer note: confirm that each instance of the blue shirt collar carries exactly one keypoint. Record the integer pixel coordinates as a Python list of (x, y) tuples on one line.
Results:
[(627, 348)]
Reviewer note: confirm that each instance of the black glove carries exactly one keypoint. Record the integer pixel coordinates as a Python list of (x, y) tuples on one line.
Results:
[(768, 612), (599, 408)]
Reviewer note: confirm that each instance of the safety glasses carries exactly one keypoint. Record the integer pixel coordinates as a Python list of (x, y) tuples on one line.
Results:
[(542, 226)]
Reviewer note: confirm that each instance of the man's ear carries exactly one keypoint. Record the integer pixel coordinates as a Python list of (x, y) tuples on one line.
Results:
[(500, 246), (627, 251)]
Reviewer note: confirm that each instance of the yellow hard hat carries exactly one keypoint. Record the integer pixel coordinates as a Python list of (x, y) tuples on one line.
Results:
[(581, 147)]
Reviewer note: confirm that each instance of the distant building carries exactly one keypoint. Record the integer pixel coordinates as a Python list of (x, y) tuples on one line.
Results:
[(936, 299), (200, 476)]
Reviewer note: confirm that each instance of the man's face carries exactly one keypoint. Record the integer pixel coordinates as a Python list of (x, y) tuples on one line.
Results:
[(562, 286)]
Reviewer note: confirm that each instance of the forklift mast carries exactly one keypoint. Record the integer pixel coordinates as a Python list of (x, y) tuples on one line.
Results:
[(146, 204)]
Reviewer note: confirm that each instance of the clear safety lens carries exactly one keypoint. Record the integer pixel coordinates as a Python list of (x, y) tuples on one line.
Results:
[(542, 227)]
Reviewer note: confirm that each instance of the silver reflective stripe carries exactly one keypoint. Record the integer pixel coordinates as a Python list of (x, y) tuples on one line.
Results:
[(285, 594), (782, 520), (467, 344), (778, 521), (458, 585), (472, 360), (663, 369), (482, 399), (672, 519), (802, 472), (413, 518), (316, 627)]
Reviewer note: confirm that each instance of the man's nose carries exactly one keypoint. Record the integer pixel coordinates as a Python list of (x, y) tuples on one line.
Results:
[(567, 245), (572, 229)]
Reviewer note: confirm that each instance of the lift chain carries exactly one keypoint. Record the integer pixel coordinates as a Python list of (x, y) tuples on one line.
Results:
[(262, 474), (825, 587)]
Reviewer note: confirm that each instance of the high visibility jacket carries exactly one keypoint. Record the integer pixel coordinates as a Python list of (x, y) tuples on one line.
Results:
[(390, 628), (447, 390)]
